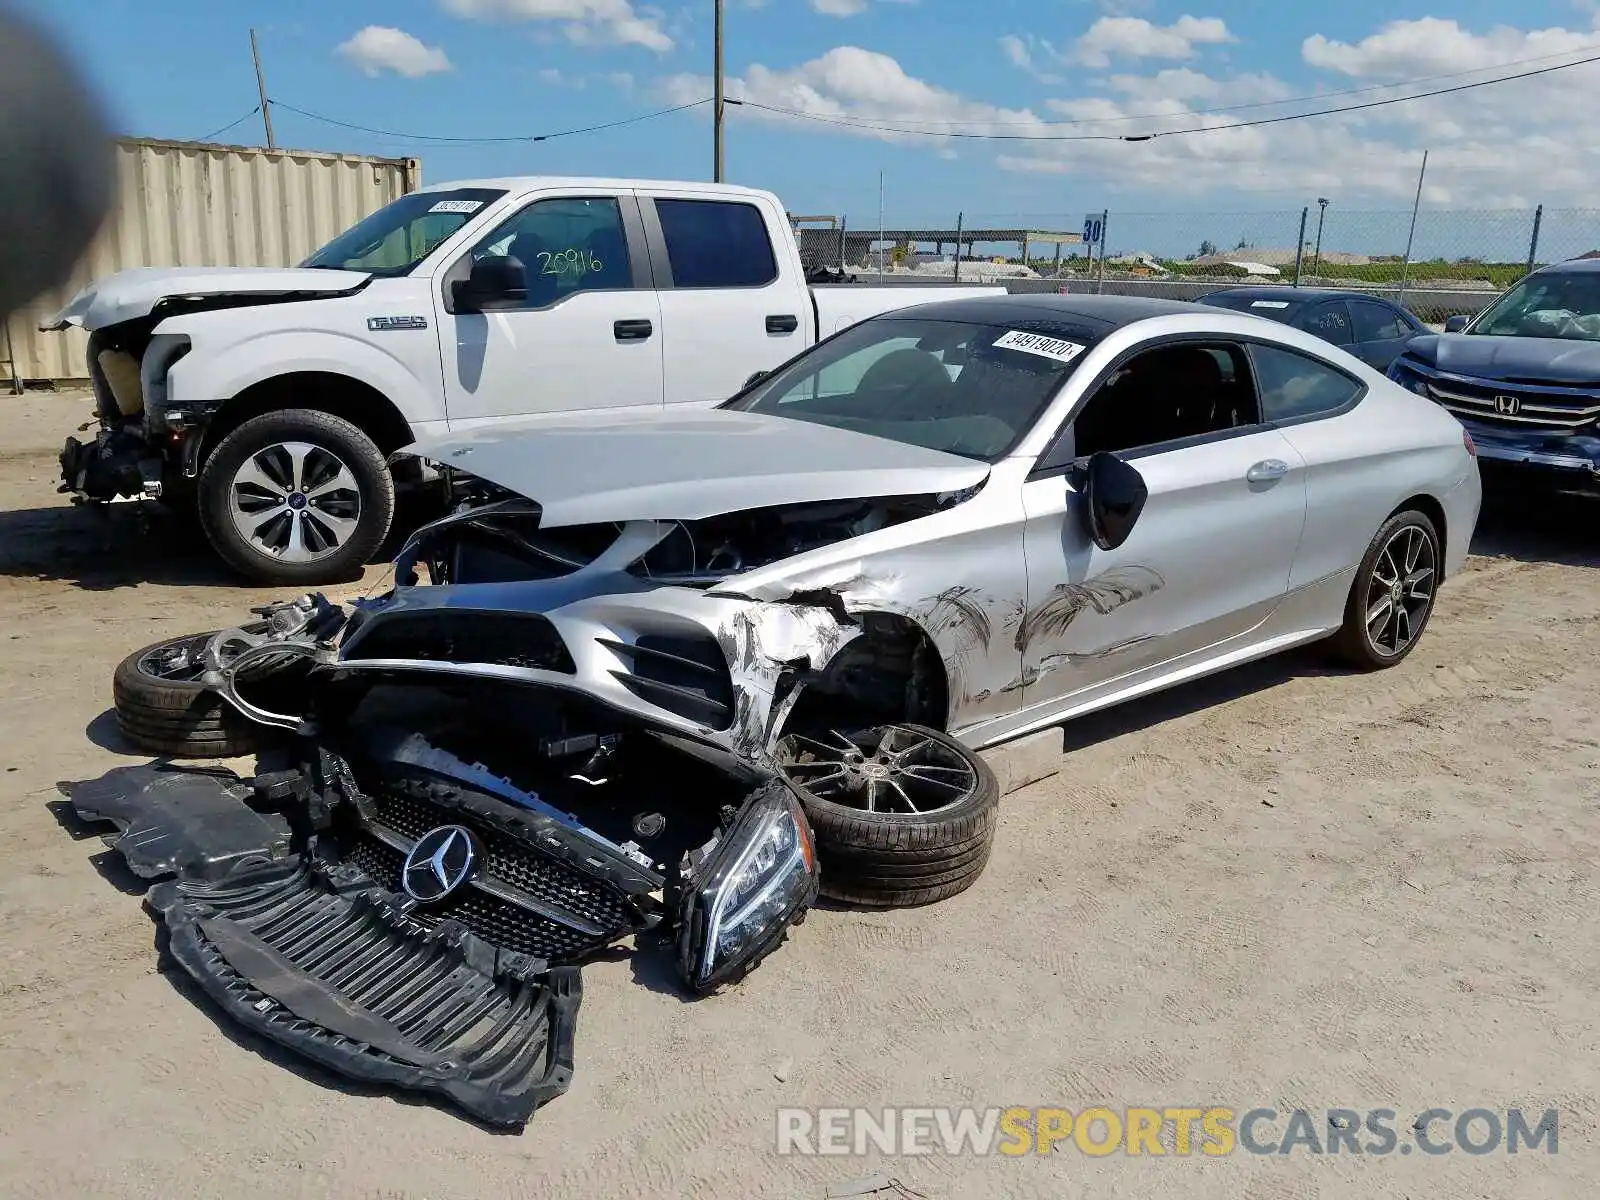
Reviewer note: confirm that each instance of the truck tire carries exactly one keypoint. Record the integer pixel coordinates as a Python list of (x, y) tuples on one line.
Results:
[(296, 497), (162, 710), (906, 815)]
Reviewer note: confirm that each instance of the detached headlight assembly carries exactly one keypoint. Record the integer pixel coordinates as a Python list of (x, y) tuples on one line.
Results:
[(756, 882)]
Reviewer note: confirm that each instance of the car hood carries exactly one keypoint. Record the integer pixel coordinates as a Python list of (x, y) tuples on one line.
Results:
[(134, 293), (1510, 359), (638, 465)]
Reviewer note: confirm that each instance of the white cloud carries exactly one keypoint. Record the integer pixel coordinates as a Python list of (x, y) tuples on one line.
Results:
[(1025, 52), (848, 85), (585, 22), (1135, 37), (839, 8), (379, 48), (1509, 145)]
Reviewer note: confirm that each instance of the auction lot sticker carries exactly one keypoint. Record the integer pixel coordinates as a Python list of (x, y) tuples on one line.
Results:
[(1038, 343)]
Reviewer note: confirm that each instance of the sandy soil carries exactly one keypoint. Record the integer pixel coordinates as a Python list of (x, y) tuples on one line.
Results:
[(1282, 887)]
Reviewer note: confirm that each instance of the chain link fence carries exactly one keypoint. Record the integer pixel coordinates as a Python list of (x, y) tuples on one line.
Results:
[(1450, 261)]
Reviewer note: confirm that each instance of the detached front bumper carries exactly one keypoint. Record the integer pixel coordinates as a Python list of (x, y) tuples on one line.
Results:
[(1564, 462)]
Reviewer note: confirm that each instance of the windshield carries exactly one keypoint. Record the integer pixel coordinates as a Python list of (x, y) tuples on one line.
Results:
[(955, 386), (1558, 305), (400, 235)]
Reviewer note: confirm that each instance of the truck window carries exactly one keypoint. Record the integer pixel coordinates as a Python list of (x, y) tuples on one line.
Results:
[(400, 235), (717, 244), (566, 245)]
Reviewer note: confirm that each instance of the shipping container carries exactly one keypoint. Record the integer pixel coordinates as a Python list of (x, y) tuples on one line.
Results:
[(195, 204)]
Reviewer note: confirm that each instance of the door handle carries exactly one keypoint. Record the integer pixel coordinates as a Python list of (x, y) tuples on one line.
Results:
[(1267, 470), (786, 323), (632, 331)]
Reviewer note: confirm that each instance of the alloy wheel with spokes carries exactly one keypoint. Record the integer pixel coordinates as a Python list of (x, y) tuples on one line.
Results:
[(296, 496), (295, 500), (1400, 590), (1392, 595), (900, 813), (889, 769)]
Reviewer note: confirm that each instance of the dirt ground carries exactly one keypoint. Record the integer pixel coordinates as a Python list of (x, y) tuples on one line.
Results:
[(1278, 888)]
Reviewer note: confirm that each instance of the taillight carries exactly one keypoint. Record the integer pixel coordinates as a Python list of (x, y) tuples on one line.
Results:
[(1466, 440)]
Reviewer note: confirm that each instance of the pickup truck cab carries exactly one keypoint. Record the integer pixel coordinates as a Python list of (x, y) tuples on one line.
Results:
[(278, 400)]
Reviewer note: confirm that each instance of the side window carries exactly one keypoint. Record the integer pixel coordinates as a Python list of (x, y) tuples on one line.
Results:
[(1330, 322), (1293, 385), (1163, 394), (1376, 322), (716, 244), (566, 246)]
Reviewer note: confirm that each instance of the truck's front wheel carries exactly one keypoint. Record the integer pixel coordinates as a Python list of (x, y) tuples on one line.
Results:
[(296, 496)]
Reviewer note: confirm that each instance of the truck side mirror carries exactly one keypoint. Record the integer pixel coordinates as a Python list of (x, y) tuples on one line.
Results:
[(1455, 324), (497, 280), (754, 379)]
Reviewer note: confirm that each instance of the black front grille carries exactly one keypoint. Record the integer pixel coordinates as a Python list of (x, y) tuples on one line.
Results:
[(558, 889), (1517, 405), (684, 674), (491, 638)]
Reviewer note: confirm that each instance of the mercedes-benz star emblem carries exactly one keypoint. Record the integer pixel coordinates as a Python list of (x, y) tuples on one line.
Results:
[(1507, 406), (442, 860)]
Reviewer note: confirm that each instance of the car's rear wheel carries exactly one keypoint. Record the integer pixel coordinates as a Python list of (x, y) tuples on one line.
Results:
[(902, 814), (1393, 593), (297, 497)]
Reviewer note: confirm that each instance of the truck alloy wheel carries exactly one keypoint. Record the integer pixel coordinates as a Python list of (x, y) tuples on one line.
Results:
[(902, 814), (297, 497)]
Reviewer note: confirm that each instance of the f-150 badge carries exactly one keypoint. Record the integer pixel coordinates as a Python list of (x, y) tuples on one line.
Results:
[(384, 324)]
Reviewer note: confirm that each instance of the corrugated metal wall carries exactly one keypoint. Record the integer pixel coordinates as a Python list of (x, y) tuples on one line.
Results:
[(191, 204)]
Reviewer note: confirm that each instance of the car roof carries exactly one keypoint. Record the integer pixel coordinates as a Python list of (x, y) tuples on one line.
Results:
[(1573, 266), (1101, 313), (1294, 293)]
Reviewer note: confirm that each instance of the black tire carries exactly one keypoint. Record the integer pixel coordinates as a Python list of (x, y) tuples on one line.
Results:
[(178, 718), (336, 553), (899, 858), (1356, 644)]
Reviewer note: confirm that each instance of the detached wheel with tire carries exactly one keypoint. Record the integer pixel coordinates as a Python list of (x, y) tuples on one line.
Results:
[(163, 709), (1393, 593), (902, 814), (296, 497)]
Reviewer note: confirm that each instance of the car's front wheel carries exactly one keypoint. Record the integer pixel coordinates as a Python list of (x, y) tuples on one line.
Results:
[(297, 497), (902, 814), (1393, 593)]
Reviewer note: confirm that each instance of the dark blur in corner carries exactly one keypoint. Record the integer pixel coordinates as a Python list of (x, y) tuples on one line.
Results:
[(57, 174)]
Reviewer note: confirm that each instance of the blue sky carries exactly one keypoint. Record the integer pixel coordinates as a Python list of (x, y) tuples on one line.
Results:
[(181, 68)]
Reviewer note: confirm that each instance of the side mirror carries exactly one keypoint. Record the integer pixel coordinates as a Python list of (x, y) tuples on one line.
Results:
[(495, 280), (1114, 494), (754, 379), (1455, 324)]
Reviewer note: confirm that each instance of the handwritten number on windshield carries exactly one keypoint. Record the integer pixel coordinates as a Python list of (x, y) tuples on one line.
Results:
[(567, 262)]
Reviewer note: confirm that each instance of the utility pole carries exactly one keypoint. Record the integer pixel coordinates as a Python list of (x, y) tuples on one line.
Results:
[(716, 94), (1300, 245), (261, 88), (1405, 266), (1316, 255)]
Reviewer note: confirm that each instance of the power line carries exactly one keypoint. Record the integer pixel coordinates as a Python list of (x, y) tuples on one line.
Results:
[(1255, 104), (216, 133), (1145, 137), (483, 141)]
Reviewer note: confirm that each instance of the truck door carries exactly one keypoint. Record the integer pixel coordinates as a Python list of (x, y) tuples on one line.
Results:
[(730, 306), (587, 334)]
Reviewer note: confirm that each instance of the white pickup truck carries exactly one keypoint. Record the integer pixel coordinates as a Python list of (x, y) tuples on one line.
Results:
[(277, 399)]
